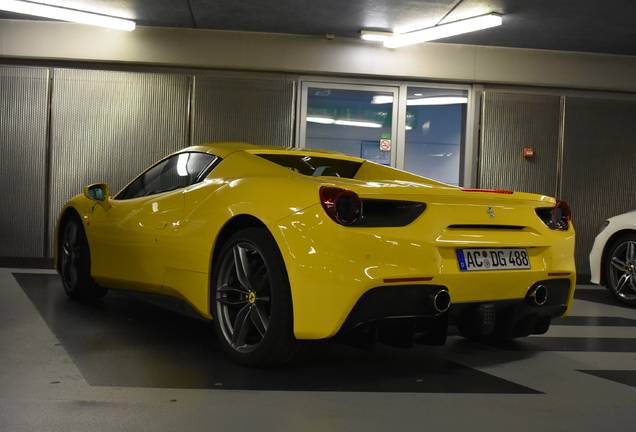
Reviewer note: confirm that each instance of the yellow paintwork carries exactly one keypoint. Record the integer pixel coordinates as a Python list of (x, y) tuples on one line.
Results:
[(164, 243)]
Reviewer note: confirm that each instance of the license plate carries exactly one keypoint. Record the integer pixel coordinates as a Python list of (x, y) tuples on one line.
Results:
[(492, 259)]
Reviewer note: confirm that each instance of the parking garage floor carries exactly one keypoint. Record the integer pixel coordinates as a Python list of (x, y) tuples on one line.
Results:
[(124, 365)]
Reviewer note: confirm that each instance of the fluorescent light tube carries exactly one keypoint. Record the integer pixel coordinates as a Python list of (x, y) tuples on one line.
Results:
[(439, 100), (444, 30), (358, 123), (433, 100), (381, 99), (375, 36), (64, 14), (323, 120)]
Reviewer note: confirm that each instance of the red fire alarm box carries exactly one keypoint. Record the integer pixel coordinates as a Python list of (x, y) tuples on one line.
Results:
[(528, 152)]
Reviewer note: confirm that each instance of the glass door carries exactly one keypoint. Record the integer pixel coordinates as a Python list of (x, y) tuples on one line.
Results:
[(352, 119), (435, 133), (422, 129)]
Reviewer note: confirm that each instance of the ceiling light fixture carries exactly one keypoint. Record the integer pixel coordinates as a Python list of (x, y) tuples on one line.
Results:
[(375, 36), (326, 120), (381, 99), (433, 100), (63, 14), (444, 30), (439, 100), (322, 120), (358, 123)]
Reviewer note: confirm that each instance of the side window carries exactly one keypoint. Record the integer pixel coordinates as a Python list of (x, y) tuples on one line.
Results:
[(175, 172)]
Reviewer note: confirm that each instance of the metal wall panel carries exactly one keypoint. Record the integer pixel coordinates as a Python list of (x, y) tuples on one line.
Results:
[(108, 126), (511, 122), (598, 165), (253, 110), (23, 133), (598, 153)]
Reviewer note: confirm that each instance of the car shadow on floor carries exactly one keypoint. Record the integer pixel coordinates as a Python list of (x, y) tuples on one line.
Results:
[(124, 342)]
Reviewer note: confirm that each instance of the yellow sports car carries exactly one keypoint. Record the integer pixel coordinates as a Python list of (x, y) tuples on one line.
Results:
[(280, 247)]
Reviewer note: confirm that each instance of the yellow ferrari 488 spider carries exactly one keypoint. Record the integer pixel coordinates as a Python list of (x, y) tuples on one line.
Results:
[(281, 247)]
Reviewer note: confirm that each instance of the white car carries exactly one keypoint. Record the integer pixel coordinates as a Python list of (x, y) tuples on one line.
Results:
[(613, 257)]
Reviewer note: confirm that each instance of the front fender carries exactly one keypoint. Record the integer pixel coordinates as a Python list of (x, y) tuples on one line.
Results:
[(79, 205)]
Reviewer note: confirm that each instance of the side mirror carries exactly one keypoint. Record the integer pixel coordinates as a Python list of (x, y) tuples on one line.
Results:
[(99, 192)]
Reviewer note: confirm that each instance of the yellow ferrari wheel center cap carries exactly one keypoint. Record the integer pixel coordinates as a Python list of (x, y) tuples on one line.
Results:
[(252, 297)]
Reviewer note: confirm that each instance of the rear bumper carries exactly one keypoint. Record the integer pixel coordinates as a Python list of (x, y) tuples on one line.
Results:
[(508, 319), (403, 315), (331, 267)]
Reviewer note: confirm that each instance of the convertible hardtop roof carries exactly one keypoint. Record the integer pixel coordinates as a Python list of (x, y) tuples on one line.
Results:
[(224, 149)]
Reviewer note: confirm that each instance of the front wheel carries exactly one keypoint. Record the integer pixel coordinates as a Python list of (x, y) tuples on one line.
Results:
[(252, 304), (75, 262), (620, 269)]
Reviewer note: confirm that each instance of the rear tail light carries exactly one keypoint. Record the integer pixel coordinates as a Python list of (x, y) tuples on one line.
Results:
[(557, 217), (342, 205), (561, 215), (389, 213), (346, 208)]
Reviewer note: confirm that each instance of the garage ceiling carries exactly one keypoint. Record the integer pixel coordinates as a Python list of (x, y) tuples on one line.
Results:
[(566, 25)]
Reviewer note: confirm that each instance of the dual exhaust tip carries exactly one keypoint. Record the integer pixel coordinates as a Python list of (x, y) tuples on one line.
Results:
[(440, 300), (537, 296)]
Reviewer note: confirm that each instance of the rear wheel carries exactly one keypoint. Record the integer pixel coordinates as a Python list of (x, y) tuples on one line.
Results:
[(252, 306), (620, 269), (75, 262)]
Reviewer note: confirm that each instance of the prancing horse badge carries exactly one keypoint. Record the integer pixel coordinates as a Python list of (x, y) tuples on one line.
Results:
[(490, 212)]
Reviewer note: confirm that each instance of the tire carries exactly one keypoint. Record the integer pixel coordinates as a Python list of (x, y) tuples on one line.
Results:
[(252, 307), (620, 269), (75, 262)]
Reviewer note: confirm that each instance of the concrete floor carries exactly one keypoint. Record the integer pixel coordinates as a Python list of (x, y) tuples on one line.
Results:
[(128, 366)]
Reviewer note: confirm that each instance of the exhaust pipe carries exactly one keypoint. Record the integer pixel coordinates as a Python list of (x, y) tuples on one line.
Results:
[(537, 296), (439, 300)]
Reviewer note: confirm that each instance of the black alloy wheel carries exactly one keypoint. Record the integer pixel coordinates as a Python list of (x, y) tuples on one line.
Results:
[(75, 262), (252, 306), (620, 269)]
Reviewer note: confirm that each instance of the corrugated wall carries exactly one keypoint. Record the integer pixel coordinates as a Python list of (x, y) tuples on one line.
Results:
[(594, 174), (254, 110), (598, 165), (23, 137), (510, 123), (62, 129), (108, 126)]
